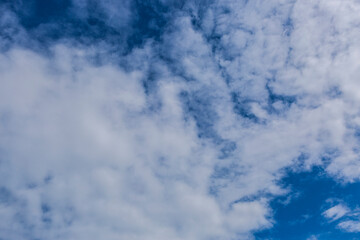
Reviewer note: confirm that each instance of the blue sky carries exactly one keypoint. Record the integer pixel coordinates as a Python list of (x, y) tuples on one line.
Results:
[(194, 119)]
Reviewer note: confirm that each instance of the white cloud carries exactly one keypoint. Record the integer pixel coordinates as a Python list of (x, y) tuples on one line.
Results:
[(316, 63), (336, 212), (348, 218), (350, 226), (83, 143)]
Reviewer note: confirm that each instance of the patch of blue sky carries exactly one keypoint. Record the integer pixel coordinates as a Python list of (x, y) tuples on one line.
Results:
[(241, 107), (36, 12), (53, 21), (198, 105), (150, 22), (299, 214)]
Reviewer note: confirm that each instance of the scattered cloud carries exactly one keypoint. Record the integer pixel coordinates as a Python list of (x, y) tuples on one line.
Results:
[(348, 218), (336, 212), (350, 226)]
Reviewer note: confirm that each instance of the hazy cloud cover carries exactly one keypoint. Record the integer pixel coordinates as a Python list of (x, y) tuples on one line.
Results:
[(194, 119)]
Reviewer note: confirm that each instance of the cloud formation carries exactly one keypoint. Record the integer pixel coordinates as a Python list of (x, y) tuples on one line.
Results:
[(336, 212), (349, 220), (175, 124)]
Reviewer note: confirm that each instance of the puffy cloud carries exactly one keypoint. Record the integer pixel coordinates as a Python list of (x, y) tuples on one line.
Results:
[(86, 159)]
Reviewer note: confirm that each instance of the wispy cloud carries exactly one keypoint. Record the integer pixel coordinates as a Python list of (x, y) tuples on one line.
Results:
[(336, 212), (350, 226), (348, 219)]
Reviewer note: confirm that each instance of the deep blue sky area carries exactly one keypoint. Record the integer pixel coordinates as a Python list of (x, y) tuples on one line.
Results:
[(302, 217), (173, 119), (53, 20)]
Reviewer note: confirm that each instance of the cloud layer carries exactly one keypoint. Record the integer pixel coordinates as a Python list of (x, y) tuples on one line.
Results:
[(175, 124)]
